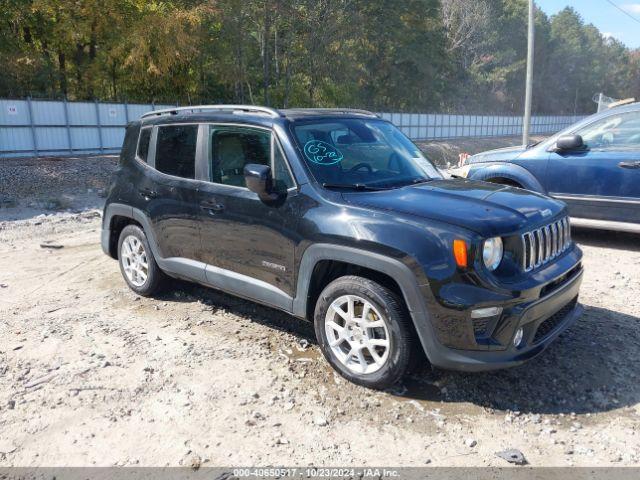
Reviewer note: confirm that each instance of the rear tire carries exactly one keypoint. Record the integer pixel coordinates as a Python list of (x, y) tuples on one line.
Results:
[(364, 331), (137, 264)]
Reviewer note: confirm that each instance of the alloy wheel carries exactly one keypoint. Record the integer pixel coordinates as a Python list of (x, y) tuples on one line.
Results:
[(134, 260), (357, 334)]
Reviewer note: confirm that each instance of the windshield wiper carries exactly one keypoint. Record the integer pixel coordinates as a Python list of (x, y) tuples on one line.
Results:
[(413, 181), (353, 186), (418, 181)]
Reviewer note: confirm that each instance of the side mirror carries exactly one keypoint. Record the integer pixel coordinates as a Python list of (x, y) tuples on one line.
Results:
[(569, 142), (258, 180)]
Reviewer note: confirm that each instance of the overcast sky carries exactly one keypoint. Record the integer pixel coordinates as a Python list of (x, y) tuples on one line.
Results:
[(602, 14)]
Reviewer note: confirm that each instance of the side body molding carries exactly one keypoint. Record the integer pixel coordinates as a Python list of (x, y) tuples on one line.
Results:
[(210, 275)]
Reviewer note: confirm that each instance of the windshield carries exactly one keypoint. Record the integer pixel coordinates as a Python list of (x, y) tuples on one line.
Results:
[(369, 153)]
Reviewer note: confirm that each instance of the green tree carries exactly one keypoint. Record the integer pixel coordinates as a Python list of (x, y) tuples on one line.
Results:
[(409, 55)]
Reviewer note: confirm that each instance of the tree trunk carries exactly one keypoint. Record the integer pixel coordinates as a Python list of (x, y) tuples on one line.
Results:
[(79, 61), (240, 77), (114, 80), (266, 35), (50, 68), (275, 54), (287, 84), (62, 65)]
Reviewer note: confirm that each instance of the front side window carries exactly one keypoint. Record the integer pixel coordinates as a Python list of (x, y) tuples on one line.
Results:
[(234, 147), (615, 131), (356, 152), (176, 150), (143, 144)]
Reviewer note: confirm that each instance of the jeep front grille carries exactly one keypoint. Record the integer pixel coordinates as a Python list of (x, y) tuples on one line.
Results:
[(542, 245)]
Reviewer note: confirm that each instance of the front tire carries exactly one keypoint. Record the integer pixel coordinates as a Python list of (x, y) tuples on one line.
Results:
[(364, 331), (137, 264)]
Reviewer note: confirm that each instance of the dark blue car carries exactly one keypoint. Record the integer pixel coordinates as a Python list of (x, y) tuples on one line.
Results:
[(593, 166)]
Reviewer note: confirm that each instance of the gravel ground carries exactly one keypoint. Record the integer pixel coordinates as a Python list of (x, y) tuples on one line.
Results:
[(92, 374), (33, 186)]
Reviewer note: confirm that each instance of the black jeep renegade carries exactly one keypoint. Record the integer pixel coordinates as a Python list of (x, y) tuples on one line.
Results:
[(336, 217)]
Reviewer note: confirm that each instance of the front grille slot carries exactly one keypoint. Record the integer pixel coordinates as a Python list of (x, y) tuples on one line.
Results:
[(544, 244), (550, 287), (550, 324)]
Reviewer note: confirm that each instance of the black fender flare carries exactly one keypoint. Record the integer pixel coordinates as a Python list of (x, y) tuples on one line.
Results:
[(121, 210), (112, 210), (510, 171), (401, 273)]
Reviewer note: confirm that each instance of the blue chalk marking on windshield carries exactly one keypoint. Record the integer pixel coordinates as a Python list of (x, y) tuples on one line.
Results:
[(322, 153)]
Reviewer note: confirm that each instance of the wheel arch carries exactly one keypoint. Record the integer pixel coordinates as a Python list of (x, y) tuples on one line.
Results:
[(116, 225), (116, 216), (510, 172), (388, 271), (319, 256), (326, 271)]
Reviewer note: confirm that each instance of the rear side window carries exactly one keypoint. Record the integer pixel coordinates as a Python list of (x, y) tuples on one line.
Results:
[(176, 150), (143, 144)]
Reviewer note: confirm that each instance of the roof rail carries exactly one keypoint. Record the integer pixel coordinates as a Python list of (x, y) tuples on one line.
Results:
[(219, 108), (347, 111)]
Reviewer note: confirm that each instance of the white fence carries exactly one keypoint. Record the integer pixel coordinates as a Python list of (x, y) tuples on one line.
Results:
[(423, 126), (57, 128), (60, 128)]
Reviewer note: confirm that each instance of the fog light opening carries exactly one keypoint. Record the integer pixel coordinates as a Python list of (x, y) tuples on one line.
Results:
[(517, 340)]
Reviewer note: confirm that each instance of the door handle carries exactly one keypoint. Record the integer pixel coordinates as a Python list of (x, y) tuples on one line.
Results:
[(629, 164), (147, 193), (212, 207)]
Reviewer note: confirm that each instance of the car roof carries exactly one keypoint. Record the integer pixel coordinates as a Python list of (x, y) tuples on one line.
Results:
[(630, 107)]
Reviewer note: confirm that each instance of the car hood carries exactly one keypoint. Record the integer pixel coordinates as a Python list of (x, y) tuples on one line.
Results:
[(485, 208), (499, 155)]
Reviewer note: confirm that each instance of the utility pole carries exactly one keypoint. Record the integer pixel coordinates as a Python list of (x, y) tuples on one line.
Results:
[(526, 124), (600, 102)]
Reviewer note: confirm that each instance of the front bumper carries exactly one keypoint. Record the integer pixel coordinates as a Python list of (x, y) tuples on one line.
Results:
[(542, 321)]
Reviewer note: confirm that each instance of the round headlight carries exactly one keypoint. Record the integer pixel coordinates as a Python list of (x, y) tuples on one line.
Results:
[(492, 252)]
